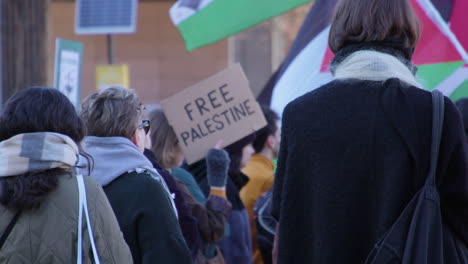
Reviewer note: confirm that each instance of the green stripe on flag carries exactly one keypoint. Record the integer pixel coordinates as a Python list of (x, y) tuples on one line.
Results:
[(433, 74), (460, 92), (223, 18)]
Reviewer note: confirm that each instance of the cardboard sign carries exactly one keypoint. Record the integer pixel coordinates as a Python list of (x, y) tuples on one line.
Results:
[(221, 107)]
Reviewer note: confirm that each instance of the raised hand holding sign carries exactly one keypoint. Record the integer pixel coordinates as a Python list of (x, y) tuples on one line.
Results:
[(220, 107)]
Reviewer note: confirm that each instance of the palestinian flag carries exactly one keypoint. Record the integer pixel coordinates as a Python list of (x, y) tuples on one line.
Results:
[(440, 65), (202, 22)]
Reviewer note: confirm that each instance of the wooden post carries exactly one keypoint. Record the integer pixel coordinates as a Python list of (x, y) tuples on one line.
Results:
[(23, 29)]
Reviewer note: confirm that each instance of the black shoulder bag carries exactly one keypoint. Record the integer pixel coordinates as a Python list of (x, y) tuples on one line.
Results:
[(9, 228), (419, 235)]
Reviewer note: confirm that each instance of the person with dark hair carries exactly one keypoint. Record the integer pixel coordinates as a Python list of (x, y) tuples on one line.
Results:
[(40, 136), (260, 171), (236, 245), (144, 207), (209, 215), (355, 151)]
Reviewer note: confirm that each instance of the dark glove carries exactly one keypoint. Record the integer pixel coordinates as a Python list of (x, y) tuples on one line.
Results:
[(217, 162)]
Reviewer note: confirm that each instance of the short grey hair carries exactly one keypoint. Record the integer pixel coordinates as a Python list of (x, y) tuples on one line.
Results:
[(112, 112)]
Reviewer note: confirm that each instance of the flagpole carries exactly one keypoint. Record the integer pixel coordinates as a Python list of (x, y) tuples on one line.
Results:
[(443, 26)]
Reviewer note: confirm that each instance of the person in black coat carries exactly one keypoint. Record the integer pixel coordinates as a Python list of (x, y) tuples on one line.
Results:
[(462, 105), (139, 196), (356, 150)]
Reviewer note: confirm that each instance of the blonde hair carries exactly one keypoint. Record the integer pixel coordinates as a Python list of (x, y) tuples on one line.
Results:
[(112, 112), (164, 140)]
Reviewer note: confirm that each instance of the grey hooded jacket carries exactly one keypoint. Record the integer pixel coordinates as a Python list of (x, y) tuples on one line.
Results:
[(140, 199)]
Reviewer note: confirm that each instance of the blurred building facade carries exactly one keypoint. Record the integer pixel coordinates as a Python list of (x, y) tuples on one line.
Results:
[(158, 62), (23, 45)]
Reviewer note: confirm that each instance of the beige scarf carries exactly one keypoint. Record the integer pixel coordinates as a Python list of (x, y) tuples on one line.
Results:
[(33, 152), (374, 66)]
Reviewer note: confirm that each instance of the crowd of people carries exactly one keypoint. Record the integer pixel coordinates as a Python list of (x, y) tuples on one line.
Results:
[(110, 184), (145, 204)]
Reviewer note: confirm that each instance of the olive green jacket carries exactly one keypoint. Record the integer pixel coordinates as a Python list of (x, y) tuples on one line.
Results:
[(49, 234)]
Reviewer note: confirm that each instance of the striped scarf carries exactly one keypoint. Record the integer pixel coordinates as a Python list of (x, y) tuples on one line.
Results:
[(34, 152)]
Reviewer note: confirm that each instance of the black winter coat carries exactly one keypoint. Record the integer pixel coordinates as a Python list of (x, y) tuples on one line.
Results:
[(353, 154), (147, 219)]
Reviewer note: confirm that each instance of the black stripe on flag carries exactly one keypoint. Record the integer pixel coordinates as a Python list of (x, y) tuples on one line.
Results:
[(318, 18)]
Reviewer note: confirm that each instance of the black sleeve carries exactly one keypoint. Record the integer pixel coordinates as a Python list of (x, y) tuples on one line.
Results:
[(453, 183)]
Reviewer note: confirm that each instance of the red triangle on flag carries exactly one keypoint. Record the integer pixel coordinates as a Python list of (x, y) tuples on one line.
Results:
[(459, 22), (433, 46), (327, 60)]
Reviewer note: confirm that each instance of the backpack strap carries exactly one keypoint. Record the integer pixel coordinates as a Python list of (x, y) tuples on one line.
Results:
[(9, 228), (437, 125), (83, 208)]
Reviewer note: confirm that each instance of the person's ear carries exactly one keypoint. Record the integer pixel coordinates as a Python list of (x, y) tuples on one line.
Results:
[(138, 140), (271, 141), (134, 138)]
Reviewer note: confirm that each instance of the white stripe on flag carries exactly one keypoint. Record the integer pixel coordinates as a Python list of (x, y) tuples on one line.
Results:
[(303, 74), (449, 85)]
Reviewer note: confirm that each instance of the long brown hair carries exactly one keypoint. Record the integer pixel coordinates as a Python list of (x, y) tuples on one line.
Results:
[(36, 110), (357, 21), (163, 139)]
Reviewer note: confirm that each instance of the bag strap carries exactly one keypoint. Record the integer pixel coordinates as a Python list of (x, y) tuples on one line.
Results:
[(83, 206), (10, 226), (437, 125)]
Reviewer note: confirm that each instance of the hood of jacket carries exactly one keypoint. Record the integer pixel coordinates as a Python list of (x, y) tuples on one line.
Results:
[(112, 157)]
